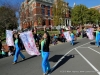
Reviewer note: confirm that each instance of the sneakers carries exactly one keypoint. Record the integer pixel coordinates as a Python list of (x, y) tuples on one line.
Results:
[(44, 74), (48, 72), (14, 63), (23, 59)]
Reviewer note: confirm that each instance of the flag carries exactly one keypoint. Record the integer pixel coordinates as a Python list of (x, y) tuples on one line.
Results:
[(67, 36), (90, 33), (9, 38), (29, 43)]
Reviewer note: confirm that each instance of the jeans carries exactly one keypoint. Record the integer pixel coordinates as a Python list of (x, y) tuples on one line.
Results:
[(72, 42), (45, 62), (97, 42), (17, 52)]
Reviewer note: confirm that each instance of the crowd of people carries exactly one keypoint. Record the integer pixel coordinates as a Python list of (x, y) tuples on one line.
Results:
[(54, 39), (43, 42)]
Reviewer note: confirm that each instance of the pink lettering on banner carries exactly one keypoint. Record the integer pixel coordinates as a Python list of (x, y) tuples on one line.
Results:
[(31, 35), (28, 41)]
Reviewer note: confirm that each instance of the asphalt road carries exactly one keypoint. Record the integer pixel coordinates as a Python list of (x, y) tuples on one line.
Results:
[(81, 59)]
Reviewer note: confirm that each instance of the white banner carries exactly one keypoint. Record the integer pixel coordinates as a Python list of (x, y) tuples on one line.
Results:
[(9, 38), (67, 36), (29, 43), (90, 33)]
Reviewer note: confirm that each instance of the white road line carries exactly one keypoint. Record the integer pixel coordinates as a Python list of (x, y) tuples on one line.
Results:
[(94, 50), (83, 47), (60, 60), (92, 46), (88, 47), (66, 54), (96, 70)]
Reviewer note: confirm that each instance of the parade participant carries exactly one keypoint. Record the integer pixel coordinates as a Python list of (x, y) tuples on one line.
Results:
[(72, 36), (45, 53), (17, 47), (98, 36)]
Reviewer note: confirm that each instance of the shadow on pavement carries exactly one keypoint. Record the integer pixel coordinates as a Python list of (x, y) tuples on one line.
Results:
[(27, 58), (92, 43), (62, 62), (76, 43)]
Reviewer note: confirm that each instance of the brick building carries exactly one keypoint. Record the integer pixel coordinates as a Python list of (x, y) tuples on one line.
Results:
[(38, 13)]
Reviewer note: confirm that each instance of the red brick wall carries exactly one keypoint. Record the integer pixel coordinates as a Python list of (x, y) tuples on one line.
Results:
[(35, 23), (38, 11), (51, 22), (34, 11), (46, 8), (68, 14), (38, 4), (47, 22)]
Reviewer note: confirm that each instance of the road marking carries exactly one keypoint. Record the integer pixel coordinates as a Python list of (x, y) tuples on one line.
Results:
[(96, 70), (92, 46), (88, 47), (94, 50), (83, 47), (66, 54)]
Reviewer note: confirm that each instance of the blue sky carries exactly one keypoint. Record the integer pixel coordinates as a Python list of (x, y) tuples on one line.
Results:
[(88, 3)]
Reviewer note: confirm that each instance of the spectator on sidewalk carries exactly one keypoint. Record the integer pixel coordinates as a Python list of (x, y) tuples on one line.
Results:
[(82, 32), (55, 39), (11, 51), (0, 48)]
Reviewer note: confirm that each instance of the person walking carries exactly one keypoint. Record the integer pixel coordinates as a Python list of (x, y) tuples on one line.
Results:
[(45, 53), (17, 48), (98, 36), (72, 37)]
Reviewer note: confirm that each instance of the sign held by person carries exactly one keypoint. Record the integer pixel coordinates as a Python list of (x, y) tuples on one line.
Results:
[(90, 34), (9, 38), (67, 36), (29, 43)]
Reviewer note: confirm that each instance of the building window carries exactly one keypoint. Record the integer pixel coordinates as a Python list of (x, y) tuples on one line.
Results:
[(43, 9), (48, 7), (43, 6), (48, 12)]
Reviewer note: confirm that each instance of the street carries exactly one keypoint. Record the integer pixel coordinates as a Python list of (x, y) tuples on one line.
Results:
[(81, 59)]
